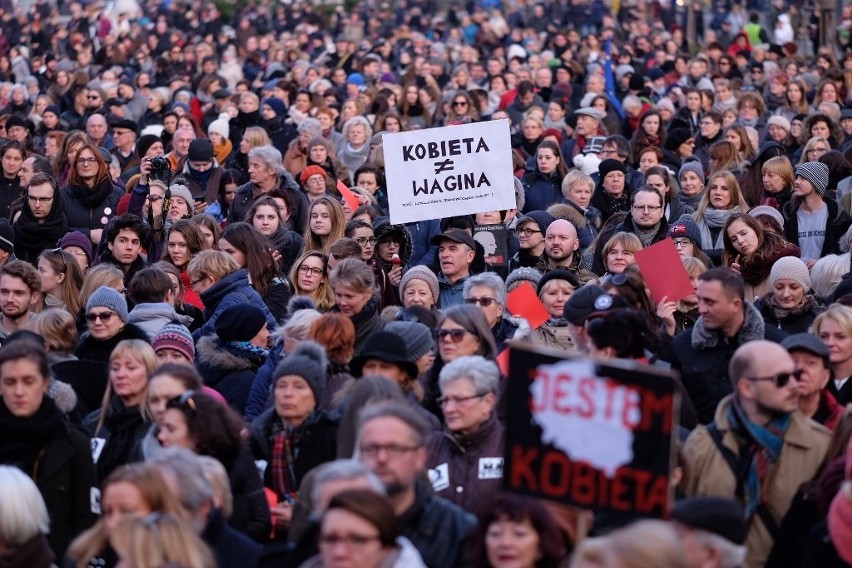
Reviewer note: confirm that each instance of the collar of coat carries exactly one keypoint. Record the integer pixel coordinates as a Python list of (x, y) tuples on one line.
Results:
[(752, 328)]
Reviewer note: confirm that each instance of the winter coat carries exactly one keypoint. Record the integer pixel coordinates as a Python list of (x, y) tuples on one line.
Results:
[(707, 473), (554, 335), (542, 190), (367, 322), (468, 469), (317, 444), (231, 548), (835, 226), (295, 158), (437, 528), (117, 442), (404, 555), (423, 251), (227, 369), (232, 290), (209, 190), (388, 293), (701, 356), (91, 349), (248, 193), (88, 209), (796, 320), (250, 513), (63, 471), (820, 551), (151, 317), (508, 329), (277, 297)]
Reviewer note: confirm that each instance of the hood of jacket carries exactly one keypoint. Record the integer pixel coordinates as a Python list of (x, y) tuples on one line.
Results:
[(148, 312), (753, 328), (63, 395), (382, 227), (223, 287)]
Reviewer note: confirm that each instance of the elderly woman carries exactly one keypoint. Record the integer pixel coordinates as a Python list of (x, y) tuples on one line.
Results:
[(295, 434), (554, 289), (353, 153), (296, 158), (487, 292), (473, 435), (36, 438), (419, 287), (106, 318), (24, 522)]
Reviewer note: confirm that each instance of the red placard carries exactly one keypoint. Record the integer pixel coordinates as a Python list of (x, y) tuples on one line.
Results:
[(348, 195), (664, 272), (524, 302)]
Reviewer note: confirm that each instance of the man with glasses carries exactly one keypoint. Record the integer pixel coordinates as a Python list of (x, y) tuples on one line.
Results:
[(530, 232), (392, 444), (42, 221), (124, 137), (759, 448), (617, 147), (709, 132), (647, 219), (726, 321), (20, 292)]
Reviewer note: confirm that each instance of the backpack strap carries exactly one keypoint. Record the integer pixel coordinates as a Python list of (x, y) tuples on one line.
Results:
[(740, 469)]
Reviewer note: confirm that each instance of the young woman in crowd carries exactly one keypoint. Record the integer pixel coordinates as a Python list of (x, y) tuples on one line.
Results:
[(268, 217), (721, 200), (309, 278), (326, 224), (61, 280)]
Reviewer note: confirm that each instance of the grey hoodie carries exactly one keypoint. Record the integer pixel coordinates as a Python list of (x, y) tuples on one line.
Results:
[(152, 317)]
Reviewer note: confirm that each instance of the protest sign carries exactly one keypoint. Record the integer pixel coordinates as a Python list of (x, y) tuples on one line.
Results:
[(524, 302), (664, 273), (348, 195), (592, 434), (443, 172), (495, 241)]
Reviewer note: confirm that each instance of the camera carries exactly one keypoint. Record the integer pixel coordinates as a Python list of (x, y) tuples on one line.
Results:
[(159, 163)]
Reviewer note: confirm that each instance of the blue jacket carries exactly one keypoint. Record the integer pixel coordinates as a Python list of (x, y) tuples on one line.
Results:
[(258, 397), (232, 290), (422, 250), (542, 190), (450, 295)]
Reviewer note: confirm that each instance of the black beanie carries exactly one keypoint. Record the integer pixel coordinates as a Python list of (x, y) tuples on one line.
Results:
[(611, 165), (240, 323), (145, 142)]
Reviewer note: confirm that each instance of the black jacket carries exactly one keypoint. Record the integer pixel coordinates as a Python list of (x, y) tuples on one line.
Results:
[(701, 356), (231, 548), (88, 209), (317, 445), (250, 514), (91, 349), (438, 529), (117, 441), (247, 193), (229, 370)]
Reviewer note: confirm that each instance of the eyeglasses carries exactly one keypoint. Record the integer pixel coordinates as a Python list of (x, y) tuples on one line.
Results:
[(350, 541), (192, 283), (681, 243), (365, 241), (647, 208), (607, 152), (484, 302), (459, 103), (39, 200), (457, 400), (155, 198), (392, 450), (86, 160), (310, 270), (93, 97), (781, 379), (526, 232), (455, 335), (392, 241), (104, 317)]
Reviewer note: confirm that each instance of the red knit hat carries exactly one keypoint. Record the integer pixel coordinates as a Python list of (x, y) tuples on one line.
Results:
[(312, 171)]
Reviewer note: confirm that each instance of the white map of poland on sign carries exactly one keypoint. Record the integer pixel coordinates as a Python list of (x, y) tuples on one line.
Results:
[(589, 418)]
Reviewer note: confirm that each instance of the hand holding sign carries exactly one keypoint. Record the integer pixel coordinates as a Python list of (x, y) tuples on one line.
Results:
[(663, 272), (524, 302)]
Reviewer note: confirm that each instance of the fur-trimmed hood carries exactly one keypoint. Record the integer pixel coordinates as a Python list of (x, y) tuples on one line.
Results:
[(382, 227), (211, 353), (753, 328), (63, 395)]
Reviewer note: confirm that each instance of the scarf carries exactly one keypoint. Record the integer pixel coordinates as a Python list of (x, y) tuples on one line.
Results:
[(647, 237), (807, 304), (247, 347), (35, 553), (32, 235), (23, 440), (763, 448), (285, 451), (201, 177), (714, 219), (91, 198), (691, 201)]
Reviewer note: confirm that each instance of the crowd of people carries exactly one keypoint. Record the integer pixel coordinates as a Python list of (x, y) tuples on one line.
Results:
[(212, 358)]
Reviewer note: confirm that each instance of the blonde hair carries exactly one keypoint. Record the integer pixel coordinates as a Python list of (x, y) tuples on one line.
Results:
[(217, 477), (142, 352), (212, 263), (628, 241), (576, 176), (256, 136), (324, 296), (158, 540), (58, 328), (97, 276), (839, 314), (644, 544), (737, 199), (338, 225), (780, 166)]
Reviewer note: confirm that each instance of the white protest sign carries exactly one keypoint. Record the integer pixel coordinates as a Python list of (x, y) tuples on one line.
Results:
[(443, 172)]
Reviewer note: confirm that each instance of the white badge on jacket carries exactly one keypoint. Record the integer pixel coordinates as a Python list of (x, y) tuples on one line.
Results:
[(490, 468), (98, 445), (440, 477)]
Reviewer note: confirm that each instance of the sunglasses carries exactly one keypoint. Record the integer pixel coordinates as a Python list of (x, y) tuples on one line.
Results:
[(484, 302), (780, 380), (455, 335), (104, 317)]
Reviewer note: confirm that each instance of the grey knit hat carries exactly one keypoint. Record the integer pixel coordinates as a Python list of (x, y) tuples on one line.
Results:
[(523, 274), (790, 268), (418, 339), (694, 167), (308, 361), (816, 173), (779, 120), (106, 297), (769, 212), (420, 272), (183, 192)]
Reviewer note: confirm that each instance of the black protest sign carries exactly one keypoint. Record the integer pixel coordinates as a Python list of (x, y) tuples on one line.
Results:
[(592, 434), (495, 241)]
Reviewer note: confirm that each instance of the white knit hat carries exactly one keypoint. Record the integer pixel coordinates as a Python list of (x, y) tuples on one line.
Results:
[(220, 126), (790, 268)]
